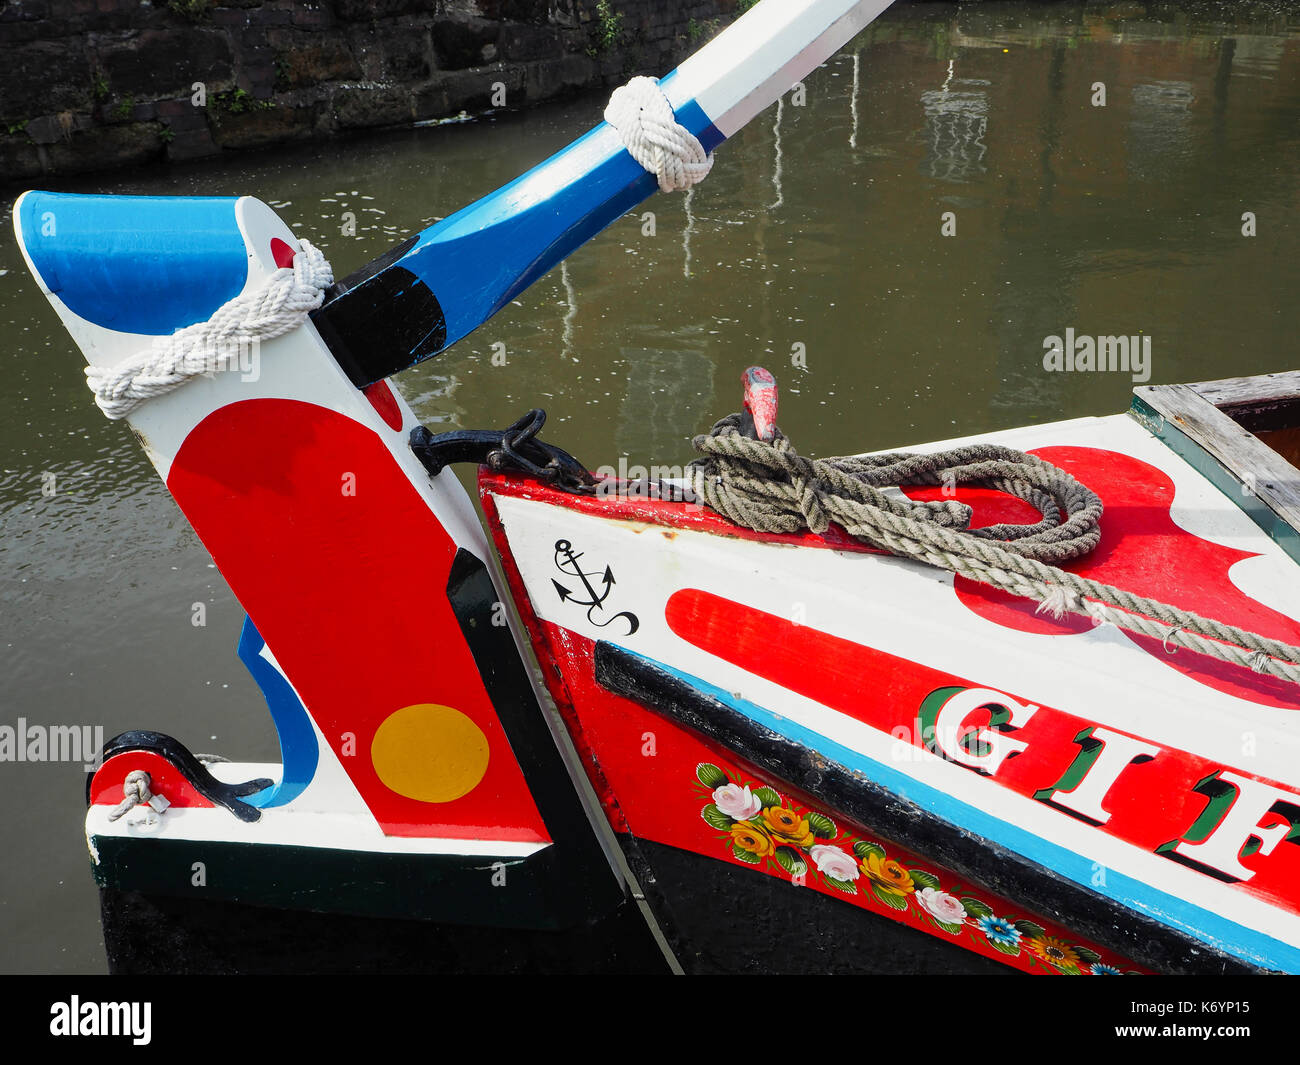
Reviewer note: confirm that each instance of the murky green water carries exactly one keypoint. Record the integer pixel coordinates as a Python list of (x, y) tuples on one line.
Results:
[(818, 234)]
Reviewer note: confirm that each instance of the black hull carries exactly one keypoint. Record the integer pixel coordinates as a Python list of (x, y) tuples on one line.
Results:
[(717, 917)]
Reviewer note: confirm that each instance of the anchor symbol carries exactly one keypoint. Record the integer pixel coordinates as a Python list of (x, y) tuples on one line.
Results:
[(566, 561)]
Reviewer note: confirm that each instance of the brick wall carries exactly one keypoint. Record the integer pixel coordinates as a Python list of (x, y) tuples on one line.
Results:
[(94, 84)]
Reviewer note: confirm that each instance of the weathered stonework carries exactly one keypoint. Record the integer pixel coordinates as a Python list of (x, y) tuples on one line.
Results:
[(94, 84)]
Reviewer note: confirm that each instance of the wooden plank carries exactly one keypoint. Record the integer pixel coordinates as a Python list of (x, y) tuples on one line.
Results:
[(1263, 403), (1242, 466)]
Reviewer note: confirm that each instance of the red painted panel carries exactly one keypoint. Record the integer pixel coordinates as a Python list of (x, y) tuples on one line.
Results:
[(1151, 803), (343, 569), (1142, 551), (164, 779)]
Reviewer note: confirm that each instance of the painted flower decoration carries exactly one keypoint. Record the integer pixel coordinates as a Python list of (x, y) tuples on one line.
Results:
[(1053, 950), (788, 827), (833, 862), (943, 907), (999, 930), (767, 830), (887, 873), (749, 838), (736, 802)]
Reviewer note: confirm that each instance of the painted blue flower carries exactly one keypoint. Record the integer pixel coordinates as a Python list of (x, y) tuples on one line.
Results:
[(1098, 969), (999, 930)]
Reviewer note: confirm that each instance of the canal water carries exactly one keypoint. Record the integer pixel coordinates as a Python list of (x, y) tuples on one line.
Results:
[(895, 242)]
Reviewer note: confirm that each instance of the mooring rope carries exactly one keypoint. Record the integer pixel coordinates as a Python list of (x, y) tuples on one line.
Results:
[(645, 121), (275, 307), (769, 487), (135, 791)]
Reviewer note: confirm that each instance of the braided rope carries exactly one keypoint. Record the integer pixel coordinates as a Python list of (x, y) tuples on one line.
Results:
[(771, 488), (279, 305)]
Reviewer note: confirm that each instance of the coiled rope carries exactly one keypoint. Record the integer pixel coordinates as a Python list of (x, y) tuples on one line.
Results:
[(769, 487), (222, 342)]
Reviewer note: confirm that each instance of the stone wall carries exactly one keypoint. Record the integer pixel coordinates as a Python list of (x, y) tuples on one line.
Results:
[(93, 84)]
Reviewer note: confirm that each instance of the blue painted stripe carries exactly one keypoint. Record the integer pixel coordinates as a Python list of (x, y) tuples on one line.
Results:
[(1214, 929), (480, 258), (298, 748), (137, 264)]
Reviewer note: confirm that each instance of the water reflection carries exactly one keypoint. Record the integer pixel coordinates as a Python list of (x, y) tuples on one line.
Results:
[(956, 121)]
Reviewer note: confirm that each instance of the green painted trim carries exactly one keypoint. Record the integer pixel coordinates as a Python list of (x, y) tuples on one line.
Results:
[(453, 889), (1227, 482)]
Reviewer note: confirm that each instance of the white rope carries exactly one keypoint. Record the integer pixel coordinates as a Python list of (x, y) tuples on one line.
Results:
[(644, 119), (220, 343)]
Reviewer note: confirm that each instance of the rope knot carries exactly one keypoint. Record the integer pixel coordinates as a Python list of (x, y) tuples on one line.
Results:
[(135, 791), (645, 121)]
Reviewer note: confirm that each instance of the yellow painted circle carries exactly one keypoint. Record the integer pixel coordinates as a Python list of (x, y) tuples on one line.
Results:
[(429, 752)]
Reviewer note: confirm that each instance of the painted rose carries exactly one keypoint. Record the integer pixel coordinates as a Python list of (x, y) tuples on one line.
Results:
[(749, 838), (787, 826), (833, 862), (941, 906), (887, 873), (736, 802)]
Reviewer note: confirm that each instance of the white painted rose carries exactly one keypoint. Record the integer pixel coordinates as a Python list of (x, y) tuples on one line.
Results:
[(736, 802), (833, 862), (941, 906)]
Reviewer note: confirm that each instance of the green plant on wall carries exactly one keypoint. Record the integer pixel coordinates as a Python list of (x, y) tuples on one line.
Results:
[(124, 108), (609, 26), (194, 10), (240, 101), (101, 87)]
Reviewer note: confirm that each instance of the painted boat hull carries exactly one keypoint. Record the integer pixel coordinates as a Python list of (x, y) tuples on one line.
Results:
[(814, 669)]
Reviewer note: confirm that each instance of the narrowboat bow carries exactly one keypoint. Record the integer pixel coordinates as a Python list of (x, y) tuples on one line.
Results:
[(745, 745)]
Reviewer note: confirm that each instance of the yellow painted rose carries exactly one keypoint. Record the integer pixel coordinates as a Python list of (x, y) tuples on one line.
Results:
[(750, 838), (788, 827), (886, 872)]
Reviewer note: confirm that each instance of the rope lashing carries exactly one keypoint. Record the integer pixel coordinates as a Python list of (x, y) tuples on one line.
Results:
[(278, 305), (135, 791), (769, 487), (645, 121)]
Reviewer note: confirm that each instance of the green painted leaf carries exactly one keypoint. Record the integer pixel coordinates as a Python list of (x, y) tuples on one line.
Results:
[(846, 886), (710, 775), (768, 796), (745, 855), (1006, 948), (716, 818), (789, 860), (951, 929), (1030, 930), (977, 909), (821, 826), (922, 879), (862, 848), (898, 902)]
